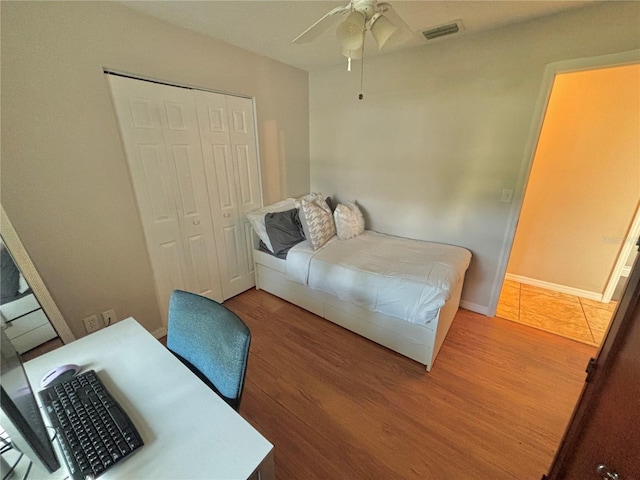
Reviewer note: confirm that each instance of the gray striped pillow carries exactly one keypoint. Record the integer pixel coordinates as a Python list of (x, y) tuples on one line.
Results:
[(319, 219)]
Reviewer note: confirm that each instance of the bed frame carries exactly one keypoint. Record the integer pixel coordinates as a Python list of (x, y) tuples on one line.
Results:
[(418, 342)]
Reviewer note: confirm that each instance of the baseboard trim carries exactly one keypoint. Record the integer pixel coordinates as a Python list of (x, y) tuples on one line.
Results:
[(161, 332), (555, 287), (474, 307)]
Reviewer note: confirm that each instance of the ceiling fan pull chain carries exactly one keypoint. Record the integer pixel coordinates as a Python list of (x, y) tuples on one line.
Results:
[(361, 96)]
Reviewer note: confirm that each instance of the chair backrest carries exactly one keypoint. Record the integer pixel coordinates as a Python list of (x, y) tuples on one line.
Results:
[(212, 341)]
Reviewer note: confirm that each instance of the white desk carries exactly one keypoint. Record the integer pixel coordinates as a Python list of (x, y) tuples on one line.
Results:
[(188, 431)]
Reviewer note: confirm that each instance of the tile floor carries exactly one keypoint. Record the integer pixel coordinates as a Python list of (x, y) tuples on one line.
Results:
[(566, 315)]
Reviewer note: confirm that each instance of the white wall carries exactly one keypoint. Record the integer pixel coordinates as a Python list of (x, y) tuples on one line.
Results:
[(443, 129), (65, 183)]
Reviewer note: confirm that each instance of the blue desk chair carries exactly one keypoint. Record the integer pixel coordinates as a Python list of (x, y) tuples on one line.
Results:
[(212, 341)]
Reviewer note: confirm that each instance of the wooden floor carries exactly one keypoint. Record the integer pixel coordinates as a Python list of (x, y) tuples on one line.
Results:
[(337, 406), (42, 349)]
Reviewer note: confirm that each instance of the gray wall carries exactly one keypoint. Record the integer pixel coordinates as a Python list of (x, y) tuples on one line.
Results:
[(65, 183), (444, 128)]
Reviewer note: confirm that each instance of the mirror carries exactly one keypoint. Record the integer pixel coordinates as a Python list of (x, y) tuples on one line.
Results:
[(28, 314), (23, 319)]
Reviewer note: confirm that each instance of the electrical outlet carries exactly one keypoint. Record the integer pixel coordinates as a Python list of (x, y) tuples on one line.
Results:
[(91, 324), (109, 317)]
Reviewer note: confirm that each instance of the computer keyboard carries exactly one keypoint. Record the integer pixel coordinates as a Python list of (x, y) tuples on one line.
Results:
[(94, 432)]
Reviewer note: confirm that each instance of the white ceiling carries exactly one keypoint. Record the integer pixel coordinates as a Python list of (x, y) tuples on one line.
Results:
[(267, 27)]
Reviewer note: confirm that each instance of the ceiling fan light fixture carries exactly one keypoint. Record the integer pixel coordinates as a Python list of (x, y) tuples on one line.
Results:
[(382, 30), (350, 33)]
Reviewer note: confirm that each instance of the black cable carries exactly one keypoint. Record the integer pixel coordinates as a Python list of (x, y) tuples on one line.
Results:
[(55, 433), (26, 474), (6, 448), (14, 467), (6, 444)]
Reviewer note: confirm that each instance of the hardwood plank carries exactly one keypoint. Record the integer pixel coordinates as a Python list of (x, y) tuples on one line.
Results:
[(336, 405), (42, 349)]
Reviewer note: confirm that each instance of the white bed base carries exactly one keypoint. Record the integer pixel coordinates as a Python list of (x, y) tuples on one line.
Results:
[(418, 342)]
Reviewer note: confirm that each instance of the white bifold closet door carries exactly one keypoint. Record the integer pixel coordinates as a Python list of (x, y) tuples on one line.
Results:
[(194, 168), (227, 130)]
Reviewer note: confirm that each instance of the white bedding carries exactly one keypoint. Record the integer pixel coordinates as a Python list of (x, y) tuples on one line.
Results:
[(399, 277)]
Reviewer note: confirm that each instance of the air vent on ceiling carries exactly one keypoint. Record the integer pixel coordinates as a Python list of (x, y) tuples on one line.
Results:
[(442, 30)]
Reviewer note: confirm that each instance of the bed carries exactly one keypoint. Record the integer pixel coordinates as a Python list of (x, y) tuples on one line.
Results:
[(400, 293)]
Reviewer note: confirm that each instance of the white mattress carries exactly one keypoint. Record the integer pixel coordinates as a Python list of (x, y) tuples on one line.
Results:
[(399, 277)]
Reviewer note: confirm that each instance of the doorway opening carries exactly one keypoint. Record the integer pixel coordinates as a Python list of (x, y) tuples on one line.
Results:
[(581, 208)]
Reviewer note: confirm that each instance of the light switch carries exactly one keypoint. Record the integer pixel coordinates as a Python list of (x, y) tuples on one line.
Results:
[(507, 195)]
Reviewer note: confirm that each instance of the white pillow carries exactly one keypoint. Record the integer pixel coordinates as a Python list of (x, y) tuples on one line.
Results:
[(319, 222), (256, 217), (349, 220)]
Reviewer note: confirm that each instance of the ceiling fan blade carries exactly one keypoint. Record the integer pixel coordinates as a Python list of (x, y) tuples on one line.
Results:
[(402, 34), (322, 25)]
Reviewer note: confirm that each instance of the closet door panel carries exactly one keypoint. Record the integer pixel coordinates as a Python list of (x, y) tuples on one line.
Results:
[(171, 265), (196, 221), (217, 122), (224, 183), (201, 272), (246, 170), (248, 243), (160, 133), (243, 141), (246, 195), (140, 124), (231, 244), (151, 171), (222, 166), (218, 161), (182, 137), (182, 161)]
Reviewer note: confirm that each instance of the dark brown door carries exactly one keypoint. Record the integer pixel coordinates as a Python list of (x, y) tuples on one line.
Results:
[(603, 437)]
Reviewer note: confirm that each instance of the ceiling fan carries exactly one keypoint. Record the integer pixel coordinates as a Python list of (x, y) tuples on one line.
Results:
[(379, 18)]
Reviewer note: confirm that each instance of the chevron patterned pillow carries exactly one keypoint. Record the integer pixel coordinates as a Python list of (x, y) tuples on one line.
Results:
[(319, 219)]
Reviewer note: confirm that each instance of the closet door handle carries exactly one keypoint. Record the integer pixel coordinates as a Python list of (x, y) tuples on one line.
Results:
[(196, 222), (226, 215)]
